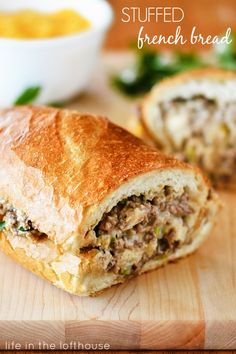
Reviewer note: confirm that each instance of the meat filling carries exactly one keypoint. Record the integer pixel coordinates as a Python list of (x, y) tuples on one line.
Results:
[(140, 228), (137, 229), (204, 133), (17, 223)]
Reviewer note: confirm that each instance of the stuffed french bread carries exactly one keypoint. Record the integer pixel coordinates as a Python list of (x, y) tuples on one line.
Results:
[(86, 205)]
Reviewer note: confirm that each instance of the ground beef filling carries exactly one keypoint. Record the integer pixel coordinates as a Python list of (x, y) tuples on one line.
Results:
[(17, 223), (203, 133), (137, 229), (141, 228)]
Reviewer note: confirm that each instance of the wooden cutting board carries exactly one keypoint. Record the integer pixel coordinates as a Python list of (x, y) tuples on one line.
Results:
[(190, 304)]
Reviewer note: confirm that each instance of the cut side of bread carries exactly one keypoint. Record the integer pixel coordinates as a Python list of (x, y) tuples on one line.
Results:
[(193, 116)]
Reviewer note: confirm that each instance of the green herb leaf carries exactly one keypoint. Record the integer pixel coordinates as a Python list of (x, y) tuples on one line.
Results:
[(112, 240), (226, 54), (28, 96), (22, 229), (122, 202), (191, 154), (151, 67), (126, 271), (157, 230), (187, 61), (161, 257), (56, 104), (2, 225)]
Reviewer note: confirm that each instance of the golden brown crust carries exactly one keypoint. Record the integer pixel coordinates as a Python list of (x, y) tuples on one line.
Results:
[(210, 72), (61, 163), (59, 166)]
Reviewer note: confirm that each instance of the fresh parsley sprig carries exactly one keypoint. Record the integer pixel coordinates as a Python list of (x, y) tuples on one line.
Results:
[(2, 225), (29, 95), (226, 54), (151, 66)]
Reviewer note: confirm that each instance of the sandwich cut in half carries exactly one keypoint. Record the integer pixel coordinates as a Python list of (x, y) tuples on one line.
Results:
[(86, 205), (193, 116)]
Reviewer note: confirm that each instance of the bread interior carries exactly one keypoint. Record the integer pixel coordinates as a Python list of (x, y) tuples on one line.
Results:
[(150, 226), (202, 131)]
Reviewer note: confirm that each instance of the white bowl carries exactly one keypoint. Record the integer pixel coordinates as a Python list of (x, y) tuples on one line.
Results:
[(62, 66)]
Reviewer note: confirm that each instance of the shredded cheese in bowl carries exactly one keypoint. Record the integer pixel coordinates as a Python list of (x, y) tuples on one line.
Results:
[(29, 24)]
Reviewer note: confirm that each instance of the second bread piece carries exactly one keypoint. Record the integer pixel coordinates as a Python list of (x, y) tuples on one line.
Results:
[(193, 115)]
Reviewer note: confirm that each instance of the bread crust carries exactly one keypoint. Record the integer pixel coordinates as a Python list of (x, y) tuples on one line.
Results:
[(196, 74), (64, 170), (58, 165)]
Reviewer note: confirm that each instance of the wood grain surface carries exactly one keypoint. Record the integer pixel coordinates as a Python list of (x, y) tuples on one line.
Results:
[(190, 304), (139, 352)]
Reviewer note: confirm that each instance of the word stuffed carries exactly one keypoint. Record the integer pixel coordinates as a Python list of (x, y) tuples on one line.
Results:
[(149, 14)]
